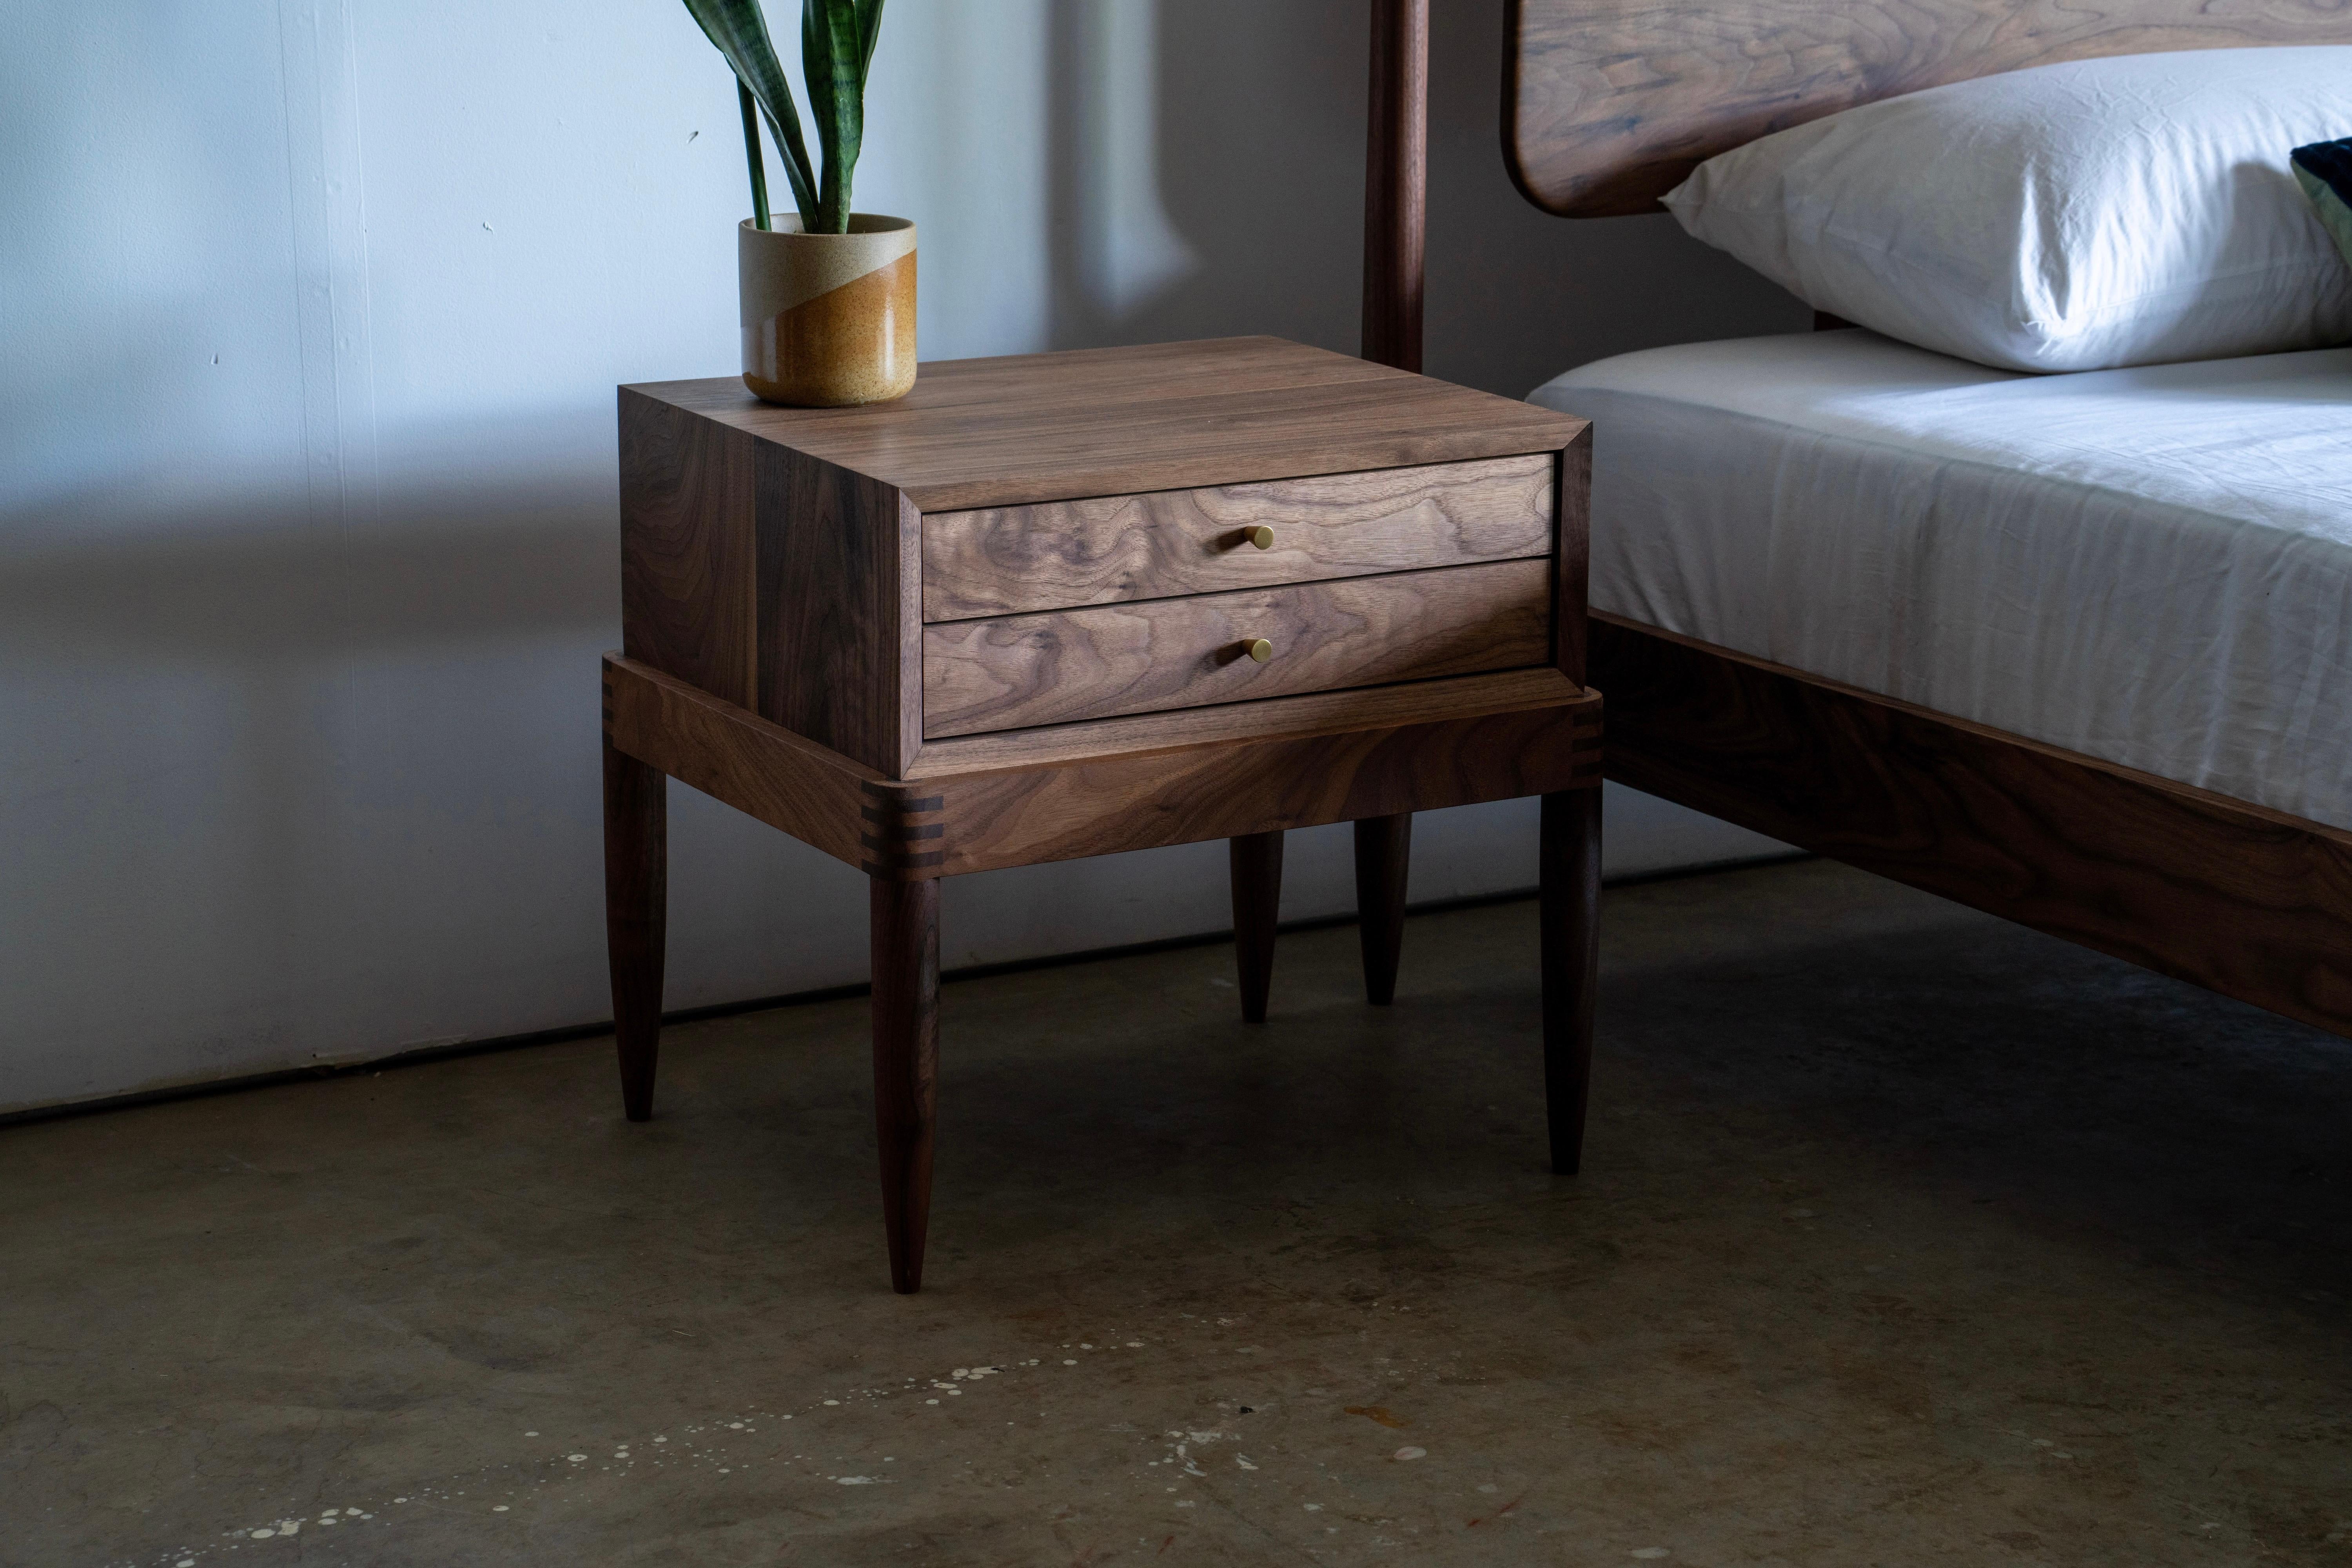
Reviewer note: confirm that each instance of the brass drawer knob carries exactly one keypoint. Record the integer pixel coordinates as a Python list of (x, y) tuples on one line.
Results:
[(1261, 536), (1258, 648)]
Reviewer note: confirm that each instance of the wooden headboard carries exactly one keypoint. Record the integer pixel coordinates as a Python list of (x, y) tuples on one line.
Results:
[(1607, 104)]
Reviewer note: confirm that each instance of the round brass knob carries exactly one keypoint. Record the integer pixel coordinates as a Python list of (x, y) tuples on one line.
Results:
[(1261, 536), (1258, 648)]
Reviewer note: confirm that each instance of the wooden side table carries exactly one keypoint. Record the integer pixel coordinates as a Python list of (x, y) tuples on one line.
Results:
[(1074, 604)]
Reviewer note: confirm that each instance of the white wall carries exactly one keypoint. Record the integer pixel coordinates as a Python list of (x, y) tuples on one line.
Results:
[(311, 313)]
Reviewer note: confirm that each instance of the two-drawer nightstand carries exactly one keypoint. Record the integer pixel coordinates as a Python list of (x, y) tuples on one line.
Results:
[(1069, 604)]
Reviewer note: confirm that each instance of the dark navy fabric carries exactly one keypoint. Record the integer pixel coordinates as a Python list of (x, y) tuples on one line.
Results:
[(2332, 163)]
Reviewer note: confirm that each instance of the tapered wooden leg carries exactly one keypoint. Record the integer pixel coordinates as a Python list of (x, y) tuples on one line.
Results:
[(1383, 855), (1571, 927), (1257, 904), (636, 911), (906, 932)]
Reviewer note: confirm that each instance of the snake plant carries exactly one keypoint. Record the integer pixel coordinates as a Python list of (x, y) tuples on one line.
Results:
[(836, 48)]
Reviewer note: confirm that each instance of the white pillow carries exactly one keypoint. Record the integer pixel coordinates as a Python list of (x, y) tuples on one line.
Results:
[(2077, 217)]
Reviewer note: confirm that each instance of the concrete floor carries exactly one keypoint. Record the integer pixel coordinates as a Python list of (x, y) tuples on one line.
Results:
[(1905, 1237)]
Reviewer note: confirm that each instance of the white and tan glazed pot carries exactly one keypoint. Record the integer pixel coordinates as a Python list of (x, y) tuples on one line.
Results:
[(828, 319)]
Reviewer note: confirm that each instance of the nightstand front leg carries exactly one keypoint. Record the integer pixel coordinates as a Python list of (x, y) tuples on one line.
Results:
[(906, 933), (636, 909), (1571, 930), (1257, 905), (1383, 855)]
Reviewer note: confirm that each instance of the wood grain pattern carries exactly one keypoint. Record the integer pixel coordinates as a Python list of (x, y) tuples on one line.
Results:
[(1364, 708), (1608, 104), (815, 587), (1569, 923), (758, 767), (1226, 789), (2244, 900), (1533, 735), (688, 595), (838, 597), (1095, 422), (904, 928), (1396, 184), (1256, 875), (1108, 549), (1017, 672)]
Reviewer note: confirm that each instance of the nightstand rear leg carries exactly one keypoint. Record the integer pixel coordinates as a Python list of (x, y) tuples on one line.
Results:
[(1383, 855), (1257, 903), (637, 910), (1571, 927), (906, 932)]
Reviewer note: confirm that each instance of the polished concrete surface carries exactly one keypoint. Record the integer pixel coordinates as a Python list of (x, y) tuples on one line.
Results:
[(1905, 1237)]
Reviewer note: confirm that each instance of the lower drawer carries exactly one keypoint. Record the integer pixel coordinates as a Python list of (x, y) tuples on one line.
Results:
[(1013, 672)]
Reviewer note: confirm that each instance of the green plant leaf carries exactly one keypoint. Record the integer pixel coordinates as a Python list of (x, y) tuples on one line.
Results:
[(869, 28), (739, 31), (751, 155), (836, 42)]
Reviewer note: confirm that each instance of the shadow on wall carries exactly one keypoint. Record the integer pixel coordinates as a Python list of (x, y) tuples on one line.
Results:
[(1517, 296), (279, 791), (518, 554), (287, 779), (1208, 179), (1206, 170)]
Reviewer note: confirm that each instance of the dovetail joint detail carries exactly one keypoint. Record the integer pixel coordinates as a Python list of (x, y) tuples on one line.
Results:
[(904, 836)]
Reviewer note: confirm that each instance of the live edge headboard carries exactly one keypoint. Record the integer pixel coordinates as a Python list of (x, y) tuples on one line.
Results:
[(1607, 104)]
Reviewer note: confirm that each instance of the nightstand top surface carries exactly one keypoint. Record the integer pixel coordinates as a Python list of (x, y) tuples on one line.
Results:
[(1090, 422)]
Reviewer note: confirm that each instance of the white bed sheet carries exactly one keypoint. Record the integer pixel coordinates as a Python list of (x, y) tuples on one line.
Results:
[(2152, 566)]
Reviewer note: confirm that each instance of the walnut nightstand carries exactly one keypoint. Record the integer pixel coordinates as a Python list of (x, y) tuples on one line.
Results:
[(1074, 604)]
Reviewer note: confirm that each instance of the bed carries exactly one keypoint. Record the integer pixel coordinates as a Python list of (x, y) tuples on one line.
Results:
[(2074, 649), (2148, 567)]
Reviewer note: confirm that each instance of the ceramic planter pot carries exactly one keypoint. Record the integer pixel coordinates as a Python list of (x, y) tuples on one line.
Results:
[(828, 319)]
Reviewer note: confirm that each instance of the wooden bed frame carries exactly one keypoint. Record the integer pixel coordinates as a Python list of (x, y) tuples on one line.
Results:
[(1607, 104)]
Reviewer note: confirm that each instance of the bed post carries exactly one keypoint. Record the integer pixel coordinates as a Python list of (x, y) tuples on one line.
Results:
[(1396, 183), (1396, 187)]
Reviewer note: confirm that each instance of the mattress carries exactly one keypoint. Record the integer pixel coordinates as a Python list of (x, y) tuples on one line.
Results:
[(2151, 566)]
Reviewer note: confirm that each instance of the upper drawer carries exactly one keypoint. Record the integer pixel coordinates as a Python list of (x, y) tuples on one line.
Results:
[(1062, 554)]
